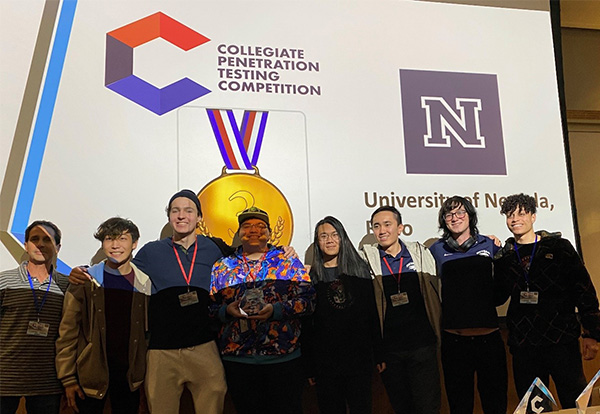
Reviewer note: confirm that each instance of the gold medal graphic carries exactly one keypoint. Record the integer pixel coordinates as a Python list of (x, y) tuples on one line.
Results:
[(228, 195), (225, 197)]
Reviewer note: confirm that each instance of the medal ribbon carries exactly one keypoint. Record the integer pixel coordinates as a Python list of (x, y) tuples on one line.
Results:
[(525, 271), (38, 307), (251, 268), (399, 271), (187, 278), (239, 146)]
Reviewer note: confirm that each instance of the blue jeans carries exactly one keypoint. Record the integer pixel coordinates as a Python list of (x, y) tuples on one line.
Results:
[(35, 404), (412, 380)]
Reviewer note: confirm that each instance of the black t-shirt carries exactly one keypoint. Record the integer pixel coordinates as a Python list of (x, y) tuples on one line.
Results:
[(406, 327), (340, 336), (525, 251), (118, 295)]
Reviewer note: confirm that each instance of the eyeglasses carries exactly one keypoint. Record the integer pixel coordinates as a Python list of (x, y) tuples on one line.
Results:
[(257, 226), (459, 215), (324, 237)]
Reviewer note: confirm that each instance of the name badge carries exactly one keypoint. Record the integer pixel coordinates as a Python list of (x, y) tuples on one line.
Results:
[(529, 298), (400, 298), (37, 328), (243, 325), (188, 298)]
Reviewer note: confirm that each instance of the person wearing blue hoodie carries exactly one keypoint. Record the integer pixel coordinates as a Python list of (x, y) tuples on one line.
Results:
[(101, 349)]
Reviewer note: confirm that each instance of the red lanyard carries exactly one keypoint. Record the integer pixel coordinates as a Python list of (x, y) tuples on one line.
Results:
[(250, 269), (187, 278), (399, 269)]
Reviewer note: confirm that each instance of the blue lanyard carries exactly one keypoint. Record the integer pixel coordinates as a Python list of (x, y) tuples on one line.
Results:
[(38, 307), (525, 271)]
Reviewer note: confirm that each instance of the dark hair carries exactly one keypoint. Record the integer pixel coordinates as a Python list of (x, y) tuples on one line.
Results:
[(114, 227), (518, 202), (349, 262), (391, 209), (452, 203), (44, 223)]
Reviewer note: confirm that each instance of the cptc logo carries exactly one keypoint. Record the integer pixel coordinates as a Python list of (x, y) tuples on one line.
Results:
[(119, 75), (452, 123)]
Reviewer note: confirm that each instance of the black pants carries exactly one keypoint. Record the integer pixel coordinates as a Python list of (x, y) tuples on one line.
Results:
[(412, 381), (353, 391), (35, 404), (561, 362), (265, 388), (465, 356), (122, 400)]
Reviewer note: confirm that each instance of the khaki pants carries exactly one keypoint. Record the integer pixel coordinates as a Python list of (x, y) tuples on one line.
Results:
[(198, 368)]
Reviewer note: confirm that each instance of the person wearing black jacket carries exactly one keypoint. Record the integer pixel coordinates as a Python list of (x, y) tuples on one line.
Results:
[(339, 339), (546, 280)]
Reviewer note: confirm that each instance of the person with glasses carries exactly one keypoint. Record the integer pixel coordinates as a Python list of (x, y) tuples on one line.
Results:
[(408, 306), (259, 296), (340, 338), (471, 340)]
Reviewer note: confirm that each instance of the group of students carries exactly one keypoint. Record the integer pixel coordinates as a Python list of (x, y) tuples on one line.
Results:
[(153, 319)]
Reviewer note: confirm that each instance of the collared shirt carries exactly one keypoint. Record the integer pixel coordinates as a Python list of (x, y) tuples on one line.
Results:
[(26, 361), (394, 261)]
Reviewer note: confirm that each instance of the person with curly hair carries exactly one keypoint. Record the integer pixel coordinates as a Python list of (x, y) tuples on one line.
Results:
[(546, 281)]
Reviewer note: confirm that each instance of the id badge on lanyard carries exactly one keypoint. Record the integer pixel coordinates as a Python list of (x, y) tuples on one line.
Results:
[(188, 298), (400, 298), (527, 297), (37, 328)]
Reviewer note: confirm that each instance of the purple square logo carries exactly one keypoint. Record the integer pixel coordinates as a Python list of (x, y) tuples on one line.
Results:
[(452, 123)]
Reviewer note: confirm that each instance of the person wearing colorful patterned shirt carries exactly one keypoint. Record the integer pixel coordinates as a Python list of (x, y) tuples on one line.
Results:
[(31, 300), (259, 297), (546, 281), (471, 341)]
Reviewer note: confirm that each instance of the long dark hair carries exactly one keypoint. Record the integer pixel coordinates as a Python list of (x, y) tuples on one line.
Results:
[(349, 261)]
